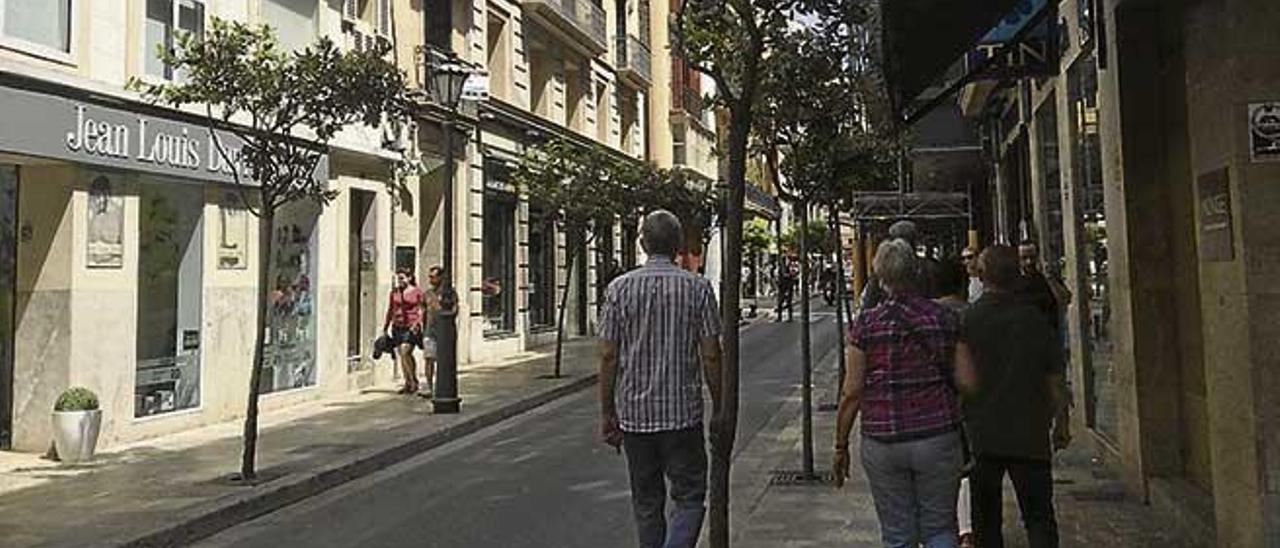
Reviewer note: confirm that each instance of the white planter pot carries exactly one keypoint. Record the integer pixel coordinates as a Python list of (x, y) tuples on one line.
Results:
[(75, 434)]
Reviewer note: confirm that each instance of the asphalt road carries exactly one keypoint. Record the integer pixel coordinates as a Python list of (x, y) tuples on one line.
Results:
[(539, 480)]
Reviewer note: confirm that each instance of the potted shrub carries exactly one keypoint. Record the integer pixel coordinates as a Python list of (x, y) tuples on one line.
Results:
[(76, 421)]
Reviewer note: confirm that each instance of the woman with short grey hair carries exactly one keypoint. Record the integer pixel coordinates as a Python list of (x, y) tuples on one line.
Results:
[(905, 362)]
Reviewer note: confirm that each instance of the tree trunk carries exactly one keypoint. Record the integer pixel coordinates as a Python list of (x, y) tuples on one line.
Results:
[(266, 228), (727, 425), (574, 256), (806, 358)]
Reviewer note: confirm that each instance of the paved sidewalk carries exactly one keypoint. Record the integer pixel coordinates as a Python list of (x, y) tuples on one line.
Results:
[(174, 487), (1092, 509)]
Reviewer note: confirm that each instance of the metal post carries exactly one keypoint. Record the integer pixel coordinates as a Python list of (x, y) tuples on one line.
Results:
[(445, 397), (806, 387), (839, 289)]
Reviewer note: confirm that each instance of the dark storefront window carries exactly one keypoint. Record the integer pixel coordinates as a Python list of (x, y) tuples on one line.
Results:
[(170, 272), (630, 239), (499, 281), (1050, 171), (1100, 374), (542, 269), (607, 266)]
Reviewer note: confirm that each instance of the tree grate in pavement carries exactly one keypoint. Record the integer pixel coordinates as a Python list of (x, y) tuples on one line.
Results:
[(800, 478)]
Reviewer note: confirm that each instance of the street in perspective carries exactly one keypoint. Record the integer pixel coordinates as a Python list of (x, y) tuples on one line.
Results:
[(650, 273)]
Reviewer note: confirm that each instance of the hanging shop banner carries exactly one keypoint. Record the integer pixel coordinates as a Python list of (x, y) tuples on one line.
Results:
[(1217, 240), (80, 130), (1264, 132)]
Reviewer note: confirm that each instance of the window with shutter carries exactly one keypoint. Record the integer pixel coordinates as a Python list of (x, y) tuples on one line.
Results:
[(383, 18)]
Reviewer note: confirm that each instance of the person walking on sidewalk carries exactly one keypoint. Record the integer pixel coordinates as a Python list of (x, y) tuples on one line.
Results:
[(659, 325), (1009, 418), (431, 309), (970, 259), (905, 363), (786, 290), (403, 326)]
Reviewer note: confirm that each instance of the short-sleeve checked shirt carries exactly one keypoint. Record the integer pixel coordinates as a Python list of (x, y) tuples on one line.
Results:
[(909, 343), (658, 315)]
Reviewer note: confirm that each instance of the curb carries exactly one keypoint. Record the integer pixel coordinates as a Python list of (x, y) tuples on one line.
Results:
[(213, 517)]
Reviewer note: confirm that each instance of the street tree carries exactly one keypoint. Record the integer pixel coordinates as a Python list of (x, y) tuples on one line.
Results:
[(285, 107), (819, 112), (581, 188), (730, 41)]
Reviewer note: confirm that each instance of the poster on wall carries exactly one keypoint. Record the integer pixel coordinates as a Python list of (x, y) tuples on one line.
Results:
[(233, 234), (1217, 240), (106, 224), (1264, 132)]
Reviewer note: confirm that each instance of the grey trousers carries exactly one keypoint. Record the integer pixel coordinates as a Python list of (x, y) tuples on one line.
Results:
[(915, 485), (653, 460)]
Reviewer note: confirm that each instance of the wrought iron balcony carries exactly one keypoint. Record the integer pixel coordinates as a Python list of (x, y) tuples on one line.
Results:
[(580, 22), (634, 61)]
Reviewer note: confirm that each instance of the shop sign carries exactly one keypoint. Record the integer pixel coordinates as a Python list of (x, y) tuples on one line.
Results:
[(58, 127), (1264, 132), (1217, 240)]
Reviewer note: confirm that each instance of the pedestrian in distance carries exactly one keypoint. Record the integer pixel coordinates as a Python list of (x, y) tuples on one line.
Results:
[(403, 326), (873, 293), (1010, 418), (970, 259), (787, 280), (431, 309), (659, 342), (1047, 294), (906, 362)]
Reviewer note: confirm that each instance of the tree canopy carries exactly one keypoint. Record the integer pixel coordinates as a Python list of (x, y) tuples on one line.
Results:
[(286, 106)]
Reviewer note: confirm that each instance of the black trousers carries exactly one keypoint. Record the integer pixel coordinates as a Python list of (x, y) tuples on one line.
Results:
[(653, 460), (1033, 484), (786, 300)]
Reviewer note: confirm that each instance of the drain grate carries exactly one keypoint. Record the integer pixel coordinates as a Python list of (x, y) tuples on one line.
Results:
[(797, 477)]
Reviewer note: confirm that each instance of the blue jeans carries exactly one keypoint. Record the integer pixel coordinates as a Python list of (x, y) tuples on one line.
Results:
[(652, 460), (915, 485)]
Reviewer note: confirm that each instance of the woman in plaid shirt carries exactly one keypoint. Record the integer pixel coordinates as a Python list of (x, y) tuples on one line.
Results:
[(906, 364)]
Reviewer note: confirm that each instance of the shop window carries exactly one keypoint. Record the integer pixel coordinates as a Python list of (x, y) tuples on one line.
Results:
[(542, 269), (630, 239), (165, 19), (294, 21), (499, 268), (289, 360), (170, 272), (44, 23), (1099, 370), (1050, 171)]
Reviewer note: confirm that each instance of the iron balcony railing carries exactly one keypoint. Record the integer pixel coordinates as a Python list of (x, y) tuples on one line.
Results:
[(634, 59), (582, 19)]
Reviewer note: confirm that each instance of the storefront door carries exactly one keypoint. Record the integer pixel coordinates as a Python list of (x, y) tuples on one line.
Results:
[(8, 274)]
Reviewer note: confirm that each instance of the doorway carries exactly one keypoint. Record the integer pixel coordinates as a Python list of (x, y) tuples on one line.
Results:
[(362, 280)]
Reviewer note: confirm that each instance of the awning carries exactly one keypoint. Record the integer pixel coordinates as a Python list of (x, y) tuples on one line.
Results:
[(923, 38)]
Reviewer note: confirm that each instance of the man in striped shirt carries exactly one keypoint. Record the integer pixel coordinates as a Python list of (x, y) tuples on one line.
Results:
[(660, 336)]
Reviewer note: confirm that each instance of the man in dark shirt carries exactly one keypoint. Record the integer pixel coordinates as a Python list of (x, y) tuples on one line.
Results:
[(1020, 390), (1048, 296), (786, 289)]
